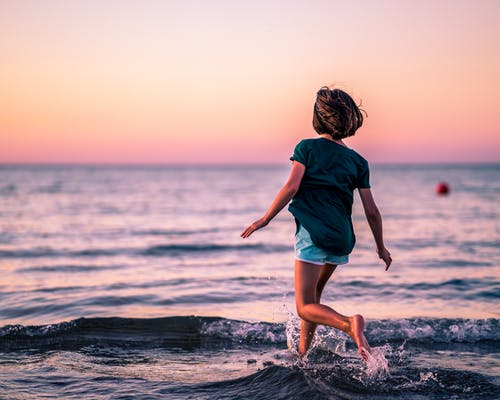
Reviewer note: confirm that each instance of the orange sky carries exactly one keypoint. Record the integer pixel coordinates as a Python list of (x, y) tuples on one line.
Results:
[(122, 81)]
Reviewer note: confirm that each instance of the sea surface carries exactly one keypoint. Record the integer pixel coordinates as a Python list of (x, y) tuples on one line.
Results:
[(132, 282)]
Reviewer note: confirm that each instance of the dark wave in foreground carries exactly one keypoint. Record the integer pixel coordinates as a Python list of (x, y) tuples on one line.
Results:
[(158, 250), (106, 352), (192, 331), (338, 382)]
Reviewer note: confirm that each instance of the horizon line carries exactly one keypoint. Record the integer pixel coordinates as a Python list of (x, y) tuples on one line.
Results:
[(224, 164)]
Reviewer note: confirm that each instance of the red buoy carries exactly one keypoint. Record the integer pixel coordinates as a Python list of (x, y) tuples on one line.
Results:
[(442, 188)]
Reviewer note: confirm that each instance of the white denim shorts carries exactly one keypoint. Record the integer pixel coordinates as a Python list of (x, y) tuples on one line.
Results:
[(307, 251)]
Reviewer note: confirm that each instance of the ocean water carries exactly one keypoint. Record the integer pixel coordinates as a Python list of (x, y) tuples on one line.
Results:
[(131, 282)]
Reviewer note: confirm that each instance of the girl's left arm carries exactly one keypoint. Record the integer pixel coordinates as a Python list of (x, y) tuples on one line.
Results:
[(281, 200)]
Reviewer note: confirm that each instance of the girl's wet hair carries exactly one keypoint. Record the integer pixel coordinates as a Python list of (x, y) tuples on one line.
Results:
[(336, 114)]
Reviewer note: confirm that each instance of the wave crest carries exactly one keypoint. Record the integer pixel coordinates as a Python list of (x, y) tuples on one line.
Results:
[(192, 331)]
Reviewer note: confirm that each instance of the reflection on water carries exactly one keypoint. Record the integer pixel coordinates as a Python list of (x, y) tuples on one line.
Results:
[(156, 241)]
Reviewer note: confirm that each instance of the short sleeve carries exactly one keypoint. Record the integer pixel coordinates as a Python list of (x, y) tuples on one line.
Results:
[(364, 176), (300, 153)]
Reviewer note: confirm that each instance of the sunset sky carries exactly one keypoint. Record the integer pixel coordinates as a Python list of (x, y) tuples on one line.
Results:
[(123, 81)]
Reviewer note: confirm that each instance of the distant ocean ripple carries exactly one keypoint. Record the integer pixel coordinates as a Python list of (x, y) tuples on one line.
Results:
[(103, 269)]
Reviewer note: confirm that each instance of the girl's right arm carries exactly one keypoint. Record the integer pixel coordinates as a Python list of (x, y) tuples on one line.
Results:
[(282, 199), (375, 221)]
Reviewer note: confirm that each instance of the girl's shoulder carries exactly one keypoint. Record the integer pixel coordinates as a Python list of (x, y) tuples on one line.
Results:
[(359, 160), (359, 156)]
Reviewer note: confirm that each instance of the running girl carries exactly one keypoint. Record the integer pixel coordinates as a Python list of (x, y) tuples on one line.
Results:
[(324, 174)]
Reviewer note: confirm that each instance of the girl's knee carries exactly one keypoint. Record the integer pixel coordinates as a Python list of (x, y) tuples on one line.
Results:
[(302, 311), (299, 308), (302, 314)]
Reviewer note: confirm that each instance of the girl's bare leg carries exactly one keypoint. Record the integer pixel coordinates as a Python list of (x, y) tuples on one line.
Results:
[(307, 278), (307, 328)]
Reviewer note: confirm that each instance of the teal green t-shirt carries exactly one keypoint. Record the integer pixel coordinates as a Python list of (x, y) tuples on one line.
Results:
[(323, 203)]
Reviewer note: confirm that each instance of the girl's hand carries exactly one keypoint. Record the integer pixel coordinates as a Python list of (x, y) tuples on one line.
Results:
[(386, 256), (260, 223)]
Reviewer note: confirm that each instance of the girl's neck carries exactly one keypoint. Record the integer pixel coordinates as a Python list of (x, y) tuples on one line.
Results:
[(328, 137)]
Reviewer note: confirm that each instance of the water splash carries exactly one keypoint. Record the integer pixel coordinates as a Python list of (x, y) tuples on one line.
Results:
[(292, 331), (377, 366), (329, 346)]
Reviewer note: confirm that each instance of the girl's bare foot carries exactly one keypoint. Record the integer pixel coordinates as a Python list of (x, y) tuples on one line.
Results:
[(357, 333)]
